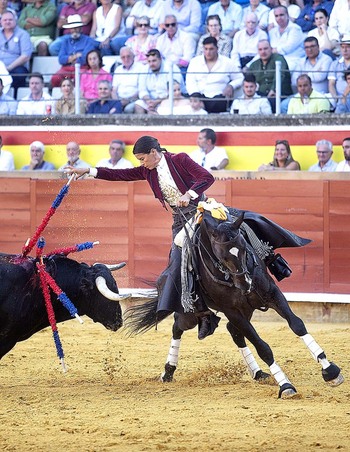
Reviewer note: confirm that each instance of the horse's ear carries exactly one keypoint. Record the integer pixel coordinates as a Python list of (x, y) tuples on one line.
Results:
[(239, 221)]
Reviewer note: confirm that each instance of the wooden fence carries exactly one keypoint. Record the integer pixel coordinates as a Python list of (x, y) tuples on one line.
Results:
[(133, 227)]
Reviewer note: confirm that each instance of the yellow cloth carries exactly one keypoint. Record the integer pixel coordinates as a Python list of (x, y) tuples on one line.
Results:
[(217, 210)]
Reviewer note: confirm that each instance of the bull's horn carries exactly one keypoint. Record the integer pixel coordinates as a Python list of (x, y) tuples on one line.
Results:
[(105, 291), (112, 267)]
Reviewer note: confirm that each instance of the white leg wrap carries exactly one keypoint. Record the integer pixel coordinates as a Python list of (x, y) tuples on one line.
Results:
[(173, 356), (249, 361), (278, 374), (312, 345), (324, 363)]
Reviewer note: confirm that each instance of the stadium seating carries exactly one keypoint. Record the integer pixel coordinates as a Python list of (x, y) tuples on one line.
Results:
[(46, 65)]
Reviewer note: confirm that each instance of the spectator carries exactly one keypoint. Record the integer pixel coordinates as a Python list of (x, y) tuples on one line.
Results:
[(230, 14), (343, 105), (85, 9), (117, 161), (293, 11), (187, 12), (37, 102), (15, 49), (282, 159), (91, 76), (153, 83), (38, 18), (176, 46), (6, 159), (336, 81), (6, 79), (142, 9), (215, 76), (8, 105), (245, 42), (105, 105), (251, 103), (265, 73), (37, 161), (344, 165), (261, 11), (180, 103), (107, 28), (197, 104), (306, 19), (73, 154), (339, 18), (328, 38), (126, 80), (214, 28), (307, 100), (66, 104), (142, 42), (315, 64), (324, 151), (208, 155), (287, 38), (73, 50)]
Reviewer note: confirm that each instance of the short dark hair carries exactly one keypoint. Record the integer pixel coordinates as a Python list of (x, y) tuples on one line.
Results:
[(209, 134), (311, 39), (37, 75), (304, 76), (197, 95), (154, 52), (249, 77), (323, 11), (210, 40)]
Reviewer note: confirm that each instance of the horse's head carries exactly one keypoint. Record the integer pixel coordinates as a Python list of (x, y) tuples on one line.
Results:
[(230, 249)]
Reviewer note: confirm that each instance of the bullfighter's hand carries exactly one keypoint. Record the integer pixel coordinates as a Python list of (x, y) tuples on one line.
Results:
[(79, 172), (184, 200)]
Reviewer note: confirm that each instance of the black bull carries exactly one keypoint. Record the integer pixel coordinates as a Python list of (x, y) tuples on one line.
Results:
[(22, 305)]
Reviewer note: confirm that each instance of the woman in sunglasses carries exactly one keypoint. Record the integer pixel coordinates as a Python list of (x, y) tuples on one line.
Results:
[(282, 159), (143, 41)]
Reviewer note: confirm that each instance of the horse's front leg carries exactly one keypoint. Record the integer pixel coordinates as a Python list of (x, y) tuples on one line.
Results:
[(330, 371), (181, 323), (247, 356)]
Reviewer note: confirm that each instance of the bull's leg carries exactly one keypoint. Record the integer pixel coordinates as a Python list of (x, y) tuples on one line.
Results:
[(330, 371), (264, 351), (181, 323), (253, 367)]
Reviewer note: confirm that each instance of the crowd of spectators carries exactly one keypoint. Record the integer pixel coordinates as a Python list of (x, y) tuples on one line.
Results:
[(208, 47)]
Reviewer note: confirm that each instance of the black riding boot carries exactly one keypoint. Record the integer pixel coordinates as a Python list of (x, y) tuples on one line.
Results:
[(278, 266)]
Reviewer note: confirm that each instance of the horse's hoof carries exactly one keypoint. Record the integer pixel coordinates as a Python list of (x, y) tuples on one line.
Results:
[(287, 391), (260, 375), (168, 374), (332, 375)]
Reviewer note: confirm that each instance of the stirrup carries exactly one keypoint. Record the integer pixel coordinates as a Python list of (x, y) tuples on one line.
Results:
[(279, 267)]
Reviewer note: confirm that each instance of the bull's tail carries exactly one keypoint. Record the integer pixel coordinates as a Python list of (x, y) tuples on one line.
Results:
[(143, 317)]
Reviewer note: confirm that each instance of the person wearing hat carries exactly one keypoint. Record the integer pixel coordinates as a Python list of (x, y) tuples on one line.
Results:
[(85, 9), (179, 184), (336, 81), (73, 50)]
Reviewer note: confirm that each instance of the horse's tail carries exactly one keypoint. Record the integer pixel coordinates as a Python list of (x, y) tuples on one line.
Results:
[(143, 317)]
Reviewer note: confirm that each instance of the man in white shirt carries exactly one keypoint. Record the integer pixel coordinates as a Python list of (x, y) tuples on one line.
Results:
[(37, 102), (187, 12), (230, 14), (126, 80), (287, 38), (208, 155), (73, 153), (149, 8), (344, 165), (215, 76), (262, 12), (117, 161), (251, 103), (175, 45), (6, 159), (324, 150)]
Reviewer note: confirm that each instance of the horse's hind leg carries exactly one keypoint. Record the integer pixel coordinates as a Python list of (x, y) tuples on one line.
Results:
[(253, 367), (330, 371), (181, 323)]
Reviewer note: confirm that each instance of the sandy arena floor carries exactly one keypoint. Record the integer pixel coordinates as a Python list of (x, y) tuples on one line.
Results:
[(110, 399)]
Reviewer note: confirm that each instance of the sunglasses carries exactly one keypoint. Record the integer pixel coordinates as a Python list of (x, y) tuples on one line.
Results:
[(143, 25), (173, 24)]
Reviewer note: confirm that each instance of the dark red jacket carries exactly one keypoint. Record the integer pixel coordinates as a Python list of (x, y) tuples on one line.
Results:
[(187, 174)]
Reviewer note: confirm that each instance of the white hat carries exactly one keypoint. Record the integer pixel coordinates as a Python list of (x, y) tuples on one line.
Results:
[(345, 39), (73, 21)]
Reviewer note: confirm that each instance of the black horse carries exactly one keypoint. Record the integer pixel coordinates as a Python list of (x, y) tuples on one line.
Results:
[(231, 278)]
